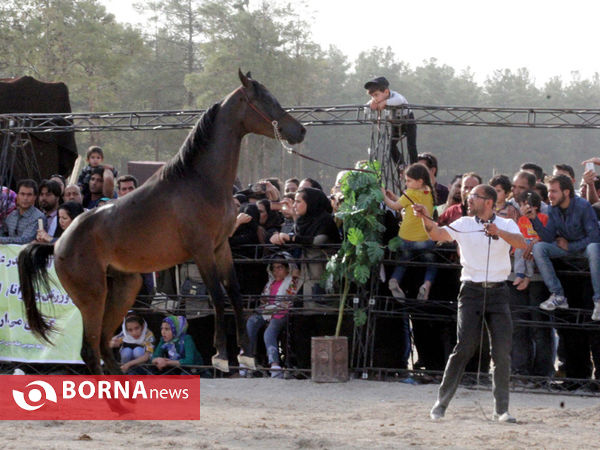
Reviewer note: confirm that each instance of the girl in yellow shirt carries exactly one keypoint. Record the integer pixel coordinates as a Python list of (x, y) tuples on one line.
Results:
[(415, 240)]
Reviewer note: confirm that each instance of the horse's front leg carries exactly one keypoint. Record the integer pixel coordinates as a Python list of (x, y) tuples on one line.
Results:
[(227, 274), (210, 276)]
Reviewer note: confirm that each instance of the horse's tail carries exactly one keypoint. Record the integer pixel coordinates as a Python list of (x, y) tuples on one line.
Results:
[(33, 275)]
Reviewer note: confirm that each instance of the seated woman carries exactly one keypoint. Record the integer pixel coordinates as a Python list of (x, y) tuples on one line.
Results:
[(315, 225), (66, 214), (273, 309), (135, 343), (175, 348)]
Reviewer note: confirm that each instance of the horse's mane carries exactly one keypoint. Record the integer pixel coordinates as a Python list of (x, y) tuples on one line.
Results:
[(196, 141)]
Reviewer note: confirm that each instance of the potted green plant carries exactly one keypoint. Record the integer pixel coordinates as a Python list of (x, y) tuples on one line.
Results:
[(360, 251)]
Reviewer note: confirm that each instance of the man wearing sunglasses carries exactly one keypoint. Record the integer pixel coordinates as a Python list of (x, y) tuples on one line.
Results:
[(484, 241)]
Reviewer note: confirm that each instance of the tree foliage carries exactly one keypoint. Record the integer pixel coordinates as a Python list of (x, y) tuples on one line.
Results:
[(186, 54)]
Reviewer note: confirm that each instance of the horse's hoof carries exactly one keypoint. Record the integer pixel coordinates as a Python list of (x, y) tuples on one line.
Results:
[(220, 364), (248, 361)]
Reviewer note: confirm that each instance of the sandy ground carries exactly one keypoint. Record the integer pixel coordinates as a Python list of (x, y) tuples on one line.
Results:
[(264, 413)]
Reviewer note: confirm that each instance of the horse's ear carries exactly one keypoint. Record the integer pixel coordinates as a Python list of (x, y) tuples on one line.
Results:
[(249, 75), (244, 78)]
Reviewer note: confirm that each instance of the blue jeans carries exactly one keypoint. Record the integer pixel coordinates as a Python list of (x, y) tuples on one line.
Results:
[(544, 252), (409, 250), (253, 326), (128, 353)]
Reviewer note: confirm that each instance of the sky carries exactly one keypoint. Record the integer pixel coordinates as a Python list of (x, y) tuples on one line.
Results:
[(549, 38)]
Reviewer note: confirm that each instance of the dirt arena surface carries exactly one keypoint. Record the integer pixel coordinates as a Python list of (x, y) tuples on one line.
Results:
[(299, 414)]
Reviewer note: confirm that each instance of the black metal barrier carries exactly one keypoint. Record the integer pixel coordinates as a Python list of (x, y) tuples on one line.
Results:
[(377, 346)]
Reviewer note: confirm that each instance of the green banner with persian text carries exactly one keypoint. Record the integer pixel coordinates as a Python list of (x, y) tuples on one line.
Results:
[(17, 342)]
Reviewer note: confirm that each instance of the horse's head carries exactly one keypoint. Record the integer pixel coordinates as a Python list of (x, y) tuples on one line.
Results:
[(264, 109)]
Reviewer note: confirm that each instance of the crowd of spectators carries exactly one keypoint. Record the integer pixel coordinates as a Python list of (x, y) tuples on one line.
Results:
[(295, 219)]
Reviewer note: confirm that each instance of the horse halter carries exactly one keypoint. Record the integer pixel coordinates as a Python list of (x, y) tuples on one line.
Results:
[(283, 142), (274, 123)]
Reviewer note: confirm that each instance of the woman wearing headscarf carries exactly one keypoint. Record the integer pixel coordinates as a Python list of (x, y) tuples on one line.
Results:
[(315, 226), (176, 348), (270, 220)]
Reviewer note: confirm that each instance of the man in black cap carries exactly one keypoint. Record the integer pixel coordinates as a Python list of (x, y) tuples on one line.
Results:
[(381, 96)]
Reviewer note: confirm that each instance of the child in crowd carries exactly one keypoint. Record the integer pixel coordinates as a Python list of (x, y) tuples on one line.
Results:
[(412, 233), (94, 158), (502, 185), (176, 348), (135, 343), (273, 309), (381, 96), (524, 268)]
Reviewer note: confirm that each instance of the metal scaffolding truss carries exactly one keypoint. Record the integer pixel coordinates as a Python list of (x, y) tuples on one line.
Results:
[(311, 116)]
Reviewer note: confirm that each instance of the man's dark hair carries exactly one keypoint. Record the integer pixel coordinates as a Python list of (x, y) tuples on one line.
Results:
[(489, 191), (430, 160), (93, 149), (565, 167), (564, 182), (529, 177), (127, 178), (29, 183), (539, 172), (501, 180), (97, 171), (52, 186), (294, 180)]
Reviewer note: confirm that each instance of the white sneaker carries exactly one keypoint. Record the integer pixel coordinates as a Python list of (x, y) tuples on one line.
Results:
[(596, 313), (395, 288), (504, 418), (423, 293), (555, 301), (277, 373)]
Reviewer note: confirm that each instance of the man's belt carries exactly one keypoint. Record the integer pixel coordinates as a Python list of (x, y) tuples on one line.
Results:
[(485, 284)]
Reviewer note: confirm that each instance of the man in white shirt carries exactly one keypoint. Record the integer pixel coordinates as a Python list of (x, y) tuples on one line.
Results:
[(484, 241)]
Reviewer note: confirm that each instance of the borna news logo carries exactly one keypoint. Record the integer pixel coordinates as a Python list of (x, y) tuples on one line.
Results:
[(35, 396)]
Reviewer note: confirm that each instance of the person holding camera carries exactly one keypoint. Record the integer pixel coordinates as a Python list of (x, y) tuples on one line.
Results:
[(524, 267), (590, 180)]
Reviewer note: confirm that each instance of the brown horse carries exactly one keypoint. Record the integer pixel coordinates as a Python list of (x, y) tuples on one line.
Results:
[(185, 211)]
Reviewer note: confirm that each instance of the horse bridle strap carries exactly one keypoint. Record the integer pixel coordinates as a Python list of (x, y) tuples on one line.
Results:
[(260, 113)]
